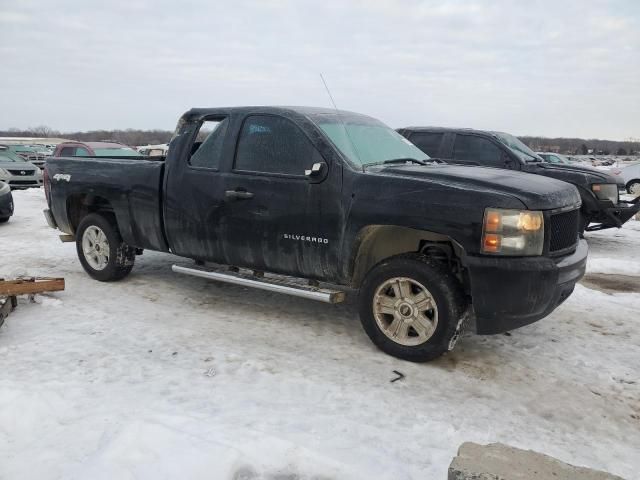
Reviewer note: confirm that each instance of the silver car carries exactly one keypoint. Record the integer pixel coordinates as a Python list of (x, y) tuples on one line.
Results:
[(18, 173), (630, 175)]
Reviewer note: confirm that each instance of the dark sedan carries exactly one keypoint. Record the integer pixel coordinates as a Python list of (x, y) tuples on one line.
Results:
[(6, 202)]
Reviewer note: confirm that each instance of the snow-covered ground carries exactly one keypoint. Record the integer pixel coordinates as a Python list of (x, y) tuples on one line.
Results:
[(167, 376)]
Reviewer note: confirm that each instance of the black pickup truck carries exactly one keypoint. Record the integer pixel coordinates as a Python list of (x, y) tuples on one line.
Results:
[(285, 198), (599, 191)]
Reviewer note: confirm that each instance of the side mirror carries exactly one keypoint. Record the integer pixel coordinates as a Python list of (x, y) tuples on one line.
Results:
[(316, 172), (509, 162)]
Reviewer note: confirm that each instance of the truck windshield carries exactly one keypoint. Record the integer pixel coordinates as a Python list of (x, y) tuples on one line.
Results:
[(365, 141), (517, 147)]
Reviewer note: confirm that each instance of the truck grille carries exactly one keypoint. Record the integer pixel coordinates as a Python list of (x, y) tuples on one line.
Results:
[(22, 173), (23, 182), (563, 230)]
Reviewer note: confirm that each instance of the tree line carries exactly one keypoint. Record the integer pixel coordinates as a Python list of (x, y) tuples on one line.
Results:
[(581, 146), (134, 137), (130, 136)]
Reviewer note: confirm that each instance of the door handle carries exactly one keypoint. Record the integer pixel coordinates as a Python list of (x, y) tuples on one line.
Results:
[(238, 194)]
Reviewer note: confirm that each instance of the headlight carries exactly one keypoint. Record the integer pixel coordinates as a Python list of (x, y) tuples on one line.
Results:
[(512, 232), (3, 174), (606, 191)]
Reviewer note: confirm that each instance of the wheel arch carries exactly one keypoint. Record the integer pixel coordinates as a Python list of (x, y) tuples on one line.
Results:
[(375, 243), (79, 205)]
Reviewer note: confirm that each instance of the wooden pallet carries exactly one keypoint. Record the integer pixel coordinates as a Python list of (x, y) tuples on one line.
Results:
[(10, 289)]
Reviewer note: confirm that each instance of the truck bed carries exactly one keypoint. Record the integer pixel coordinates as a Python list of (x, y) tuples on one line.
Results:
[(130, 187)]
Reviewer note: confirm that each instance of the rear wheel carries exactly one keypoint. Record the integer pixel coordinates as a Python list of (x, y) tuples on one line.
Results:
[(412, 307), (4, 219), (101, 250)]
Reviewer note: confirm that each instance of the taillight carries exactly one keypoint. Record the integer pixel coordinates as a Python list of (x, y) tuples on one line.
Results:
[(47, 188)]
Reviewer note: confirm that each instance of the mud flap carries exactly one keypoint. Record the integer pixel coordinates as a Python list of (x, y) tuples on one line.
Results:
[(460, 328)]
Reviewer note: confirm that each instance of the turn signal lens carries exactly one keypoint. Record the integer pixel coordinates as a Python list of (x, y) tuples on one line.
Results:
[(492, 221), (492, 242)]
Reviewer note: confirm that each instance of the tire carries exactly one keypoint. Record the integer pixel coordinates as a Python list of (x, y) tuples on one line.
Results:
[(633, 187), (114, 265), (4, 219), (412, 341)]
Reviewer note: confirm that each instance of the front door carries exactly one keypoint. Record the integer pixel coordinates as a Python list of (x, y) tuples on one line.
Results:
[(276, 218)]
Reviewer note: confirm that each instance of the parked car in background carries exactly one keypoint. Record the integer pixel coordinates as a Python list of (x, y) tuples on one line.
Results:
[(159, 150), (6, 202), (17, 172), (601, 205), (94, 149), (30, 153), (630, 177)]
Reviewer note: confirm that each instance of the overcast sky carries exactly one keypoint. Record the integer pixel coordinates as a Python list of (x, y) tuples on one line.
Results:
[(553, 68)]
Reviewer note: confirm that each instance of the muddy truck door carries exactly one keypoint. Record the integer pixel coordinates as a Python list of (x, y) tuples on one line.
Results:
[(282, 200)]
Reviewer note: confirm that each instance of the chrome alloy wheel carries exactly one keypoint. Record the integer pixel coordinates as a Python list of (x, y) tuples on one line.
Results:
[(405, 311), (95, 247)]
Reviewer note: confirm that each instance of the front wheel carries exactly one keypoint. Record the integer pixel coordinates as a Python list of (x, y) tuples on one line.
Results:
[(412, 307), (4, 219), (101, 250)]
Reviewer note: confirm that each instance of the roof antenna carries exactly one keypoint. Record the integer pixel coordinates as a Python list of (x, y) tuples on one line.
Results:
[(329, 93), (344, 126)]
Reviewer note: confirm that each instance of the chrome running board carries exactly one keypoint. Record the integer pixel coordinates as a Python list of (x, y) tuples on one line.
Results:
[(278, 285)]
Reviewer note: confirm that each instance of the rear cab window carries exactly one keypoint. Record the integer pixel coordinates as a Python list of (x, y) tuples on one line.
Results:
[(207, 149)]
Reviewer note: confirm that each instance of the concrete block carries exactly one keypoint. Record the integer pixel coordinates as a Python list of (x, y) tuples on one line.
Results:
[(502, 462)]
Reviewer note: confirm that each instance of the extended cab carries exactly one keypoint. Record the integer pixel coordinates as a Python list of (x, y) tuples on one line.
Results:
[(601, 205), (314, 195)]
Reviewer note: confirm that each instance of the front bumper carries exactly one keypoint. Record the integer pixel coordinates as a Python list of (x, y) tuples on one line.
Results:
[(610, 216), (508, 293)]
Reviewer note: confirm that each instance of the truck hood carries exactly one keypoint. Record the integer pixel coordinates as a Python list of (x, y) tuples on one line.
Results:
[(17, 166), (577, 174), (534, 191)]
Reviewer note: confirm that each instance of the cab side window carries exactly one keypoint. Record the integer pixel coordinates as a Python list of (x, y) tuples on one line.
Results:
[(429, 143), (272, 144), (208, 145), (474, 150)]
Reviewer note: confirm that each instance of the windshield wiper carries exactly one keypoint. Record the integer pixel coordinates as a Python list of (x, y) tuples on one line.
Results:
[(393, 161)]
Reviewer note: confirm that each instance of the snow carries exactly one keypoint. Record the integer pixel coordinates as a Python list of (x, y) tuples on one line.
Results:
[(167, 376)]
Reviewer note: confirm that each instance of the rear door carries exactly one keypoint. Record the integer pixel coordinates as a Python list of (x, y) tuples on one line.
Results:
[(194, 200), (276, 218)]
